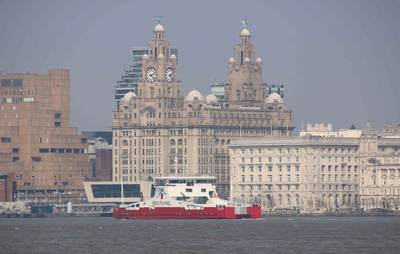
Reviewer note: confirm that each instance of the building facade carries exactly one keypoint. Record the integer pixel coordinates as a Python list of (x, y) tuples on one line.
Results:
[(37, 143), (309, 174), (131, 77), (100, 157), (317, 174), (218, 90), (8, 188), (380, 166), (159, 132)]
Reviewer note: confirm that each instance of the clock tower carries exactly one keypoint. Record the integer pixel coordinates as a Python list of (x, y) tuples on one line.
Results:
[(245, 86), (159, 68)]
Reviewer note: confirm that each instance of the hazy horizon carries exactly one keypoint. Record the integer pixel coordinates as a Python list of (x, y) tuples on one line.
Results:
[(339, 60)]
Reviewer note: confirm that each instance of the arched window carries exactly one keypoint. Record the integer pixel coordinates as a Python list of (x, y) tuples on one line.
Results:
[(242, 198), (172, 142), (269, 200), (180, 141), (124, 142), (251, 199)]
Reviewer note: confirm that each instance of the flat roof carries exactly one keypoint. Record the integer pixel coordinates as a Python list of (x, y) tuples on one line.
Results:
[(184, 177)]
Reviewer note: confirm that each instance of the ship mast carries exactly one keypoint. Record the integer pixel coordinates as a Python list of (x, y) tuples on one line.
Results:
[(122, 190)]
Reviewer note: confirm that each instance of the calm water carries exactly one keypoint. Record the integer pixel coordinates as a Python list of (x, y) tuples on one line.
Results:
[(269, 235)]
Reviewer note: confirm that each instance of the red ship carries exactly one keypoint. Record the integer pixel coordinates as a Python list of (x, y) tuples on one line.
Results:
[(186, 198)]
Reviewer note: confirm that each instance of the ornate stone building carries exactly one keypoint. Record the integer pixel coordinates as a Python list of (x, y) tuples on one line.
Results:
[(380, 168), (310, 174), (318, 174), (159, 132), (37, 143)]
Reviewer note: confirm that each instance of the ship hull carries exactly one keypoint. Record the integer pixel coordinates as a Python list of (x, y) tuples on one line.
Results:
[(178, 213)]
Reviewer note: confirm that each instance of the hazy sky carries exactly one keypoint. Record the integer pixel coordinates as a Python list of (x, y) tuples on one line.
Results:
[(339, 60)]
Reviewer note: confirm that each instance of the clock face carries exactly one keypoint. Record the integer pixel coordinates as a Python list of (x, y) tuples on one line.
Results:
[(169, 75), (151, 74)]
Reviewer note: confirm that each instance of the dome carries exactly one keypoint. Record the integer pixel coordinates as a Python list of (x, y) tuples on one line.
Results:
[(127, 97), (247, 59), (274, 98), (211, 99), (158, 28), (231, 60), (193, 95), (173, 56), (258, 60), (245, 32)]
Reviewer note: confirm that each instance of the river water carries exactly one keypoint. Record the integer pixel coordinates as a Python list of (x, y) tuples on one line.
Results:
[(269, 235)]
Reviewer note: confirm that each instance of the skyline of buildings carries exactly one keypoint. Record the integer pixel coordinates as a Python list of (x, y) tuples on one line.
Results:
[(158, 132)]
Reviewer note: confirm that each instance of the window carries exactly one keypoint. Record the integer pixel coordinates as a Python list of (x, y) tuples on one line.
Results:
[(43, 150), (189, 190), (36, 159), (5, 140), (114, 190), (17, 82), (6, 82)]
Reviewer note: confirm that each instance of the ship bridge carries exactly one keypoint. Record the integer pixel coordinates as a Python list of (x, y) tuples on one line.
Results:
[(197, 189)]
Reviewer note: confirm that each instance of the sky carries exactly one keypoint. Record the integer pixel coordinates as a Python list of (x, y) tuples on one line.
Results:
[(339, 60)]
